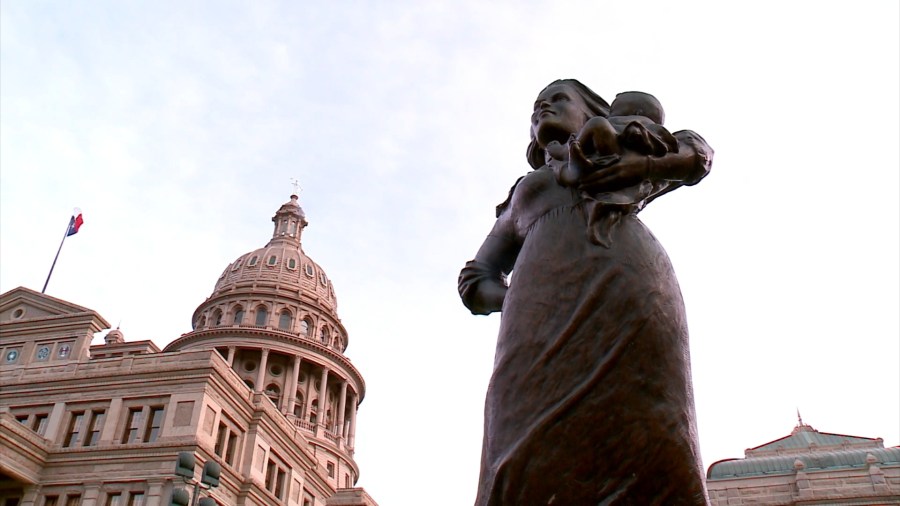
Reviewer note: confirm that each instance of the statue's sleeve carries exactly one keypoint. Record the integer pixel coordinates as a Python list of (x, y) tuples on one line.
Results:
[(493, 262), (699, 167), (686, 167)]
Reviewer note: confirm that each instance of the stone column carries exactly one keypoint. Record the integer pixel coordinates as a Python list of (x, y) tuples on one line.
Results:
[(230, 358), (154, 494), (55, 421), (341, 407), (308, 399), (351, 438), (261, 374), (323, 392), (291, 388), (91, 494), (30, 496), (108, 432)]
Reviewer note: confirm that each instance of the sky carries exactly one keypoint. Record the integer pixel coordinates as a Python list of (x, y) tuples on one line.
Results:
[(177, 126)]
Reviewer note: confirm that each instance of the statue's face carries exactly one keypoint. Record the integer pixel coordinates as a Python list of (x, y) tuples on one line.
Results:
[(559, 111)]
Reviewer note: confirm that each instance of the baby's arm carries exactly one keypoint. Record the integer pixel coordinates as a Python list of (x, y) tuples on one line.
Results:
[(596, 146), (599, 137)]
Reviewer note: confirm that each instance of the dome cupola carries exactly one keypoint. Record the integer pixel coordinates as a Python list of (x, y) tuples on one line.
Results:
[(290, 220)]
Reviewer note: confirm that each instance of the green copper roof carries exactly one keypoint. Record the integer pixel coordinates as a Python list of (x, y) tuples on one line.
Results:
[(784, 464), (801, 438)]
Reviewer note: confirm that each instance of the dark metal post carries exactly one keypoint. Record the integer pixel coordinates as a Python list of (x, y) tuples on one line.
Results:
[(66, 234)]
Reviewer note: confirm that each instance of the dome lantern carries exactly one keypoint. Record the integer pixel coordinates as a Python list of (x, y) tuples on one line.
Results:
[(289, 220)]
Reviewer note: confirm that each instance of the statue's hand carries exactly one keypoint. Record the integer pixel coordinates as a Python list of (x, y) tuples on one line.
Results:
[(629, 170)]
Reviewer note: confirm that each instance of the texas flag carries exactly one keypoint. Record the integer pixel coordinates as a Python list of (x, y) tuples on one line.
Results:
[(75, 222)]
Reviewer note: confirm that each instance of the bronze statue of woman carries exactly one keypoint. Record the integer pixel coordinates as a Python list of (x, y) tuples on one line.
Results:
[(590, 401)]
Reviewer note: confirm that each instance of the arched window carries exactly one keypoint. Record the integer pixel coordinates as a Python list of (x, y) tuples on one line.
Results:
[(292, 264), (273, 393), (284, 320), (202, 322), (238, 315), (304, 327), (217, 317), (262, 316), (323, 336), (252, 261), (272, 260)]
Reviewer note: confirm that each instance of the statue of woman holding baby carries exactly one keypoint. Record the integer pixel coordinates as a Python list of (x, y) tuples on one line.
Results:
[(591, 399)]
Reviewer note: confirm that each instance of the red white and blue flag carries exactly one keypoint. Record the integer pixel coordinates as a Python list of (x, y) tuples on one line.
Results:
[(75, 222)]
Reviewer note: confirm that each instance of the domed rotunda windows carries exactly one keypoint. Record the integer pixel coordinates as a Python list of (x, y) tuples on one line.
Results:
[(262, 316), (285, 320)]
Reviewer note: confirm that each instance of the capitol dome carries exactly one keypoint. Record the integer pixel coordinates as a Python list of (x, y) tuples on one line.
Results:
[(272, 317), (281, 263), (277, 287)]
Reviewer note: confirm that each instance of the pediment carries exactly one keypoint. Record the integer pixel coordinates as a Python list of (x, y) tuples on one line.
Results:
[(23, 304)]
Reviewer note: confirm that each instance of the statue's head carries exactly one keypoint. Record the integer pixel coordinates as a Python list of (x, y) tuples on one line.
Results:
[(638, 103), (561, 109)]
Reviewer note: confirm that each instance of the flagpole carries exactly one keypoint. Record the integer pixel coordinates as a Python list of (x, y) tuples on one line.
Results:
[(66, 234)]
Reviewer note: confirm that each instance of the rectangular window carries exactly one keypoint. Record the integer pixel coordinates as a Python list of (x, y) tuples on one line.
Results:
[(136, 499), (51, 500), (154, 424), (33, 417), (276, 473), (330, 468), (270, 476), (114, 499), (227, 440), (73, 433), (220, 439), (39, 424), (229, 449), (94, 426), (73, 500), (132, 425), (279, 483)]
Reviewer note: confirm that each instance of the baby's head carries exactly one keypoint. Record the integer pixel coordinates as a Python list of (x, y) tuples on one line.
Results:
[(638, 103)]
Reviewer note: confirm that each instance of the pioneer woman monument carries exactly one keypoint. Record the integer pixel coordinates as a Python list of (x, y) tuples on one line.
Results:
[(590, 401)]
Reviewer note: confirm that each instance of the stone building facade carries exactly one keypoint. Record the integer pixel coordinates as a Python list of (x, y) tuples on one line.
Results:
[(261, 386), (809, 467)]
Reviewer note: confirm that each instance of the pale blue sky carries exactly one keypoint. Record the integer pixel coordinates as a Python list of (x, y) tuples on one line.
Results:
[(175, 127)]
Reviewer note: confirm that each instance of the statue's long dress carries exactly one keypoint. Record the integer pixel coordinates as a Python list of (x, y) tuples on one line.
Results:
[(591, 399)]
